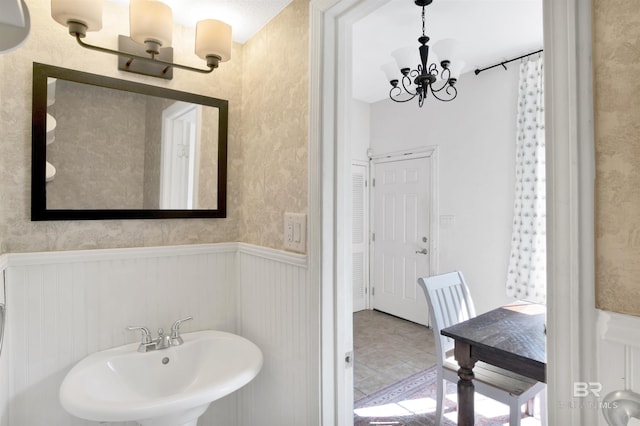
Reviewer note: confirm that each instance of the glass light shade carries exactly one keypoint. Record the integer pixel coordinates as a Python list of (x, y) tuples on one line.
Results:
[(447, 49), (49, 172), (51, 91), (213, 37), (407, 57), (391, 71), (88, 12), (456, 68), (150, 20)]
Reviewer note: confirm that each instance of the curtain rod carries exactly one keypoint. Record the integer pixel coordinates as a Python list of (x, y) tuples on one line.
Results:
[(478, 71)]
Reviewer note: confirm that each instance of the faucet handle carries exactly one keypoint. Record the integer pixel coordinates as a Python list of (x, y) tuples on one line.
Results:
[(146, 334), (175, 331)]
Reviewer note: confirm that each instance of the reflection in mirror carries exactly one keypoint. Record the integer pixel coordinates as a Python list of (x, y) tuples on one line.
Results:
[(109, 148), (187, 166)]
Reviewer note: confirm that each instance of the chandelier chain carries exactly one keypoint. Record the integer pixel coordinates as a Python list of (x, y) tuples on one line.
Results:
[(423, 24)]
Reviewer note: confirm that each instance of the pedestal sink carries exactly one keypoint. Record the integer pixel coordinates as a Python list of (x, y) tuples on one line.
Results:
[(169, 387)]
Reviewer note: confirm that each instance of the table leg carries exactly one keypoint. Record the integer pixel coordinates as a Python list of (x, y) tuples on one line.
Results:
[(466, 409)]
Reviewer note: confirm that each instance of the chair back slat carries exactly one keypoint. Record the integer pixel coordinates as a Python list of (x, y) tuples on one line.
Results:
[(449, 303)]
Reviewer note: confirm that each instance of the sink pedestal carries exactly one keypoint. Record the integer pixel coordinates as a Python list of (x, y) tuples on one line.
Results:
[(183, 418)]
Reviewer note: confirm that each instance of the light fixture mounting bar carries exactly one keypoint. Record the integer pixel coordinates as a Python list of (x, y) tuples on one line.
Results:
[(155, 68), (160, 64)]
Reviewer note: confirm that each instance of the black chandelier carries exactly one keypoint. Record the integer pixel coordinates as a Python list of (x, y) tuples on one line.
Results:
[(426, 77)]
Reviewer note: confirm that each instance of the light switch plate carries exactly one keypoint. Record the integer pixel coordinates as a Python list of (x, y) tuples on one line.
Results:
[(295, 232)]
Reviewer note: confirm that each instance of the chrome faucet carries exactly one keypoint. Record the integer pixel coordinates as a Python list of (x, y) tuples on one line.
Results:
[(163, 341), (147, 344)]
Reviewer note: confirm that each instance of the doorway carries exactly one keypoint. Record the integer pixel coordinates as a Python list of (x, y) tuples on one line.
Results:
[(569, 225), (181, 123)]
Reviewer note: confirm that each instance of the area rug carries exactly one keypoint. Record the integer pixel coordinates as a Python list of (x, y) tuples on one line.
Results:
[(411, 402)]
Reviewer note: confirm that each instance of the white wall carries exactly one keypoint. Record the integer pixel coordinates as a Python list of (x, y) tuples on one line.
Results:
[(61, 306), (359, 129), (475, 136)]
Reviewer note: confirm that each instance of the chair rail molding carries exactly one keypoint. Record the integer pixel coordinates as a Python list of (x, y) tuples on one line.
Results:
[(619, 328), (76, 256)]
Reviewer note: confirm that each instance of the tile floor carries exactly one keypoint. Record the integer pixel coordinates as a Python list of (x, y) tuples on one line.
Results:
[(388, 349)]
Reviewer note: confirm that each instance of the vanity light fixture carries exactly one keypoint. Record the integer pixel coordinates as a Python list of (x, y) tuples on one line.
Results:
[(425, 77), (148, 49)]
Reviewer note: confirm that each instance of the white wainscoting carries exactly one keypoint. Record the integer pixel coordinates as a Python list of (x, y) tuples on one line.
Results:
[(618, 353), (276, 313), (61, 306)]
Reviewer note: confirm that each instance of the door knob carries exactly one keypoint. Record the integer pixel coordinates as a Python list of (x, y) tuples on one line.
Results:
[(423, 251)]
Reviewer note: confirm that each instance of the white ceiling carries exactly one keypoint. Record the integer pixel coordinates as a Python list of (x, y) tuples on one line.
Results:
[(246, 17), (489, 31)]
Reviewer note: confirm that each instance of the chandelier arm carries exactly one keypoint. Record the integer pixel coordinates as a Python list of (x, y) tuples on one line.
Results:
[(445, 86), (141, 58), (407, 80), (433, 70), (399, 91), (445, 81), (449, 90)]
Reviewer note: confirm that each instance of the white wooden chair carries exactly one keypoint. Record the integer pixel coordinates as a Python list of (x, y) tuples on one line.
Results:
[(450, 303)]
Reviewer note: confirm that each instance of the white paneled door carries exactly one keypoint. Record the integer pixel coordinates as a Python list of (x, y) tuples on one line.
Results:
[(402, 206)]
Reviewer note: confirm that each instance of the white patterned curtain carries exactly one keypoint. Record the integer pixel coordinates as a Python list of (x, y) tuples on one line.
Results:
[(527, 273)]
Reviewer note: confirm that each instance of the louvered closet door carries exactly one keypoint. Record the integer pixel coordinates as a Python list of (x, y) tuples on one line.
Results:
[(360, 231), (402, 205)]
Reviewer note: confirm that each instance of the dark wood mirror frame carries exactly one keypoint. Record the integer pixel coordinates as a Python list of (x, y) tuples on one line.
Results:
[(39, 210)]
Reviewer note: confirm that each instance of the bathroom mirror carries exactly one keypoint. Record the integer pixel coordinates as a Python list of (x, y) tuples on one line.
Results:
[(105, 148)]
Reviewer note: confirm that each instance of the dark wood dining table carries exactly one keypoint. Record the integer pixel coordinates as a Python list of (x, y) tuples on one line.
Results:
[(512, 337)]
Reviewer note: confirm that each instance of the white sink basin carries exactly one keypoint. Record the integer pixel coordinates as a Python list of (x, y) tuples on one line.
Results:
[(169, 387)]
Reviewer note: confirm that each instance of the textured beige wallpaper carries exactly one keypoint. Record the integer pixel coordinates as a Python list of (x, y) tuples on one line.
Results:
[(616, 58), (275, 125), (267, 151), (99, 160)]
